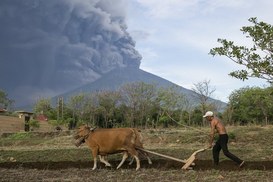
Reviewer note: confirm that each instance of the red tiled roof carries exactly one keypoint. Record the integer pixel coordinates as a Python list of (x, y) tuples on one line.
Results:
[(3, 110), (41, 117)]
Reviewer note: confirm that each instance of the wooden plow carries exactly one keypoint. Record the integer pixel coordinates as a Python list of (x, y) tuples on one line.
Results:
[(187, 163)]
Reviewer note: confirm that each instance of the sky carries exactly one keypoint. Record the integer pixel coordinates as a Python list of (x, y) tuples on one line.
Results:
[(50, 47), (174, 38)]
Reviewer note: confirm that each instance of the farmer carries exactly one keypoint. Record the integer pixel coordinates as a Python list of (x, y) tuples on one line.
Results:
[(221, 143)]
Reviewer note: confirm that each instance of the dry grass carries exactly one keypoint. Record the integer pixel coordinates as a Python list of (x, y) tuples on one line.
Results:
[(53, 157)]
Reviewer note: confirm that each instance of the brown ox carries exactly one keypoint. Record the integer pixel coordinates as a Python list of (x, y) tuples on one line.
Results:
[(103, 142)]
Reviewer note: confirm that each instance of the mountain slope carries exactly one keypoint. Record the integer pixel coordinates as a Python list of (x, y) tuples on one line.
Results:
[(118, 77)]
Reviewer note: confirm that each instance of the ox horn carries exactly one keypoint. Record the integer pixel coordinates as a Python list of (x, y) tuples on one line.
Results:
[(92, 129)]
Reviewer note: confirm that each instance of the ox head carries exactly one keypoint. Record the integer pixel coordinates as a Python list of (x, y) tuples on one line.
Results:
[(81, 134)]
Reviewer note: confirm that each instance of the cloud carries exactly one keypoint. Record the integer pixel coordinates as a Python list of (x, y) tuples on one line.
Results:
[(140, 34), (53, 46), (183, 32), (167, 9), (181, 9)]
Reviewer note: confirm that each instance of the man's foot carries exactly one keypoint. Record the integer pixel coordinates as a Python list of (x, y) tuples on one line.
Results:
[(216, 165), (242, 164)]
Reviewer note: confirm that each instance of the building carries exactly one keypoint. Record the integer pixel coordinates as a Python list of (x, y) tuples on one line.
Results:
[(2, 110), (26, 116)]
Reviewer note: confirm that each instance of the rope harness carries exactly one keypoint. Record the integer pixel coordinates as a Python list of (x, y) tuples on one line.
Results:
[(203, 133), (82, 139)]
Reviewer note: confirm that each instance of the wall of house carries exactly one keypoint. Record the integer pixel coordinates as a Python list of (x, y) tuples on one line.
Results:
[(11, 124), (44, 127)]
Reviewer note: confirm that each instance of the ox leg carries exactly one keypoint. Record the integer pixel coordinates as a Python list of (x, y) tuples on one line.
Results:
[(145, 154), (137, 161), (148, 158), (134, 153), (95, 153), (103, 160), (95, 163), (124, 157), (131, 161)]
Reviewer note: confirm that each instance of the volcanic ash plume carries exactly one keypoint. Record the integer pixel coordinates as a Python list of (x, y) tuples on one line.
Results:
[(51, 46)]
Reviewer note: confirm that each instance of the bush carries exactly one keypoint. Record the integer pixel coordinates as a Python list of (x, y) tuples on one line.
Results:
[(20, 136), (34, 124), (232, 136), (57, 122)]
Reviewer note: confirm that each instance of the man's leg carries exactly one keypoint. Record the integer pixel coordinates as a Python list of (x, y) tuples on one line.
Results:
[(223, 142), (215, 152)]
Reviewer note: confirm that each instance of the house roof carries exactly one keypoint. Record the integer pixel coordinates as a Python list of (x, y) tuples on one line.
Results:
[(24, 112), (3, 110), (41, 117)]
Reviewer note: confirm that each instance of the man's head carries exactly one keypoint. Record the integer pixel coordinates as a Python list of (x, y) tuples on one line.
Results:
[(208, 115)]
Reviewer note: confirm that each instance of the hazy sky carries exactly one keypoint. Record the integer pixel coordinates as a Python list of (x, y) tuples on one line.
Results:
[(52, 46), (49, 47), (174, 38)]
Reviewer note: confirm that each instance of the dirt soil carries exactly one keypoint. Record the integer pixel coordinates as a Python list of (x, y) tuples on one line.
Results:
[(157, 164), (160, 170), (258, 165)]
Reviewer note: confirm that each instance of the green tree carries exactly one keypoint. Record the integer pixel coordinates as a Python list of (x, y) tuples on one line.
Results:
[(240, 101), (91, 103), (171, 101), (251, 105), (76, 105), (264, 102), (43, 106), (139, 98), (5, 102), (256, 60), (196, 115), (108, 101)]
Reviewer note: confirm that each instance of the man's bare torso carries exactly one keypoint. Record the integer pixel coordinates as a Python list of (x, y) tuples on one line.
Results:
[(216, 124)]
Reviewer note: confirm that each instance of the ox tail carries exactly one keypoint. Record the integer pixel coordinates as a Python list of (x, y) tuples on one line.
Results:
[(139, 144), (145, 153), (138, 138)]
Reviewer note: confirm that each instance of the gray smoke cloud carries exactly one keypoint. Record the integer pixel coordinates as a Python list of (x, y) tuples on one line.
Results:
[(51, 46)]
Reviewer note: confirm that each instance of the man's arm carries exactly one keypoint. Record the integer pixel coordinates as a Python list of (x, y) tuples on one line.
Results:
[(212, 132)]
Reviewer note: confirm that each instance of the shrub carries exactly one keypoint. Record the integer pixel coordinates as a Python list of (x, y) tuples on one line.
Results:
[(20, 136), (34, 124), (232, 136)]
